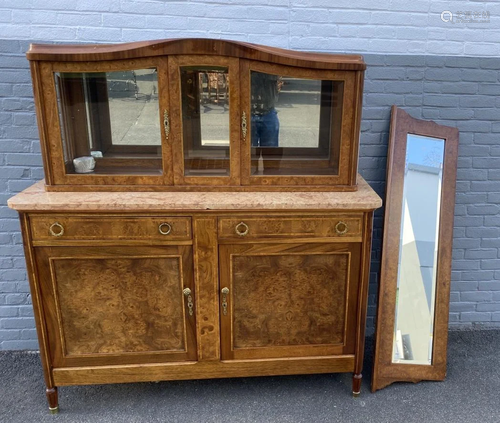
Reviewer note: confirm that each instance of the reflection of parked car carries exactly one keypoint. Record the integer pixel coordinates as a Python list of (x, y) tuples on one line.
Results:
[(141, 82)]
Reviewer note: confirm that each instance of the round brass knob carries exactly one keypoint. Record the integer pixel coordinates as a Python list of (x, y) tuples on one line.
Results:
[(165, 228), (225, 290), (186, 292), (341, 228), (56, 229), (241, 229)]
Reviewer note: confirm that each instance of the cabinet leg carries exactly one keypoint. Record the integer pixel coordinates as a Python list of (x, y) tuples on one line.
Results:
[(52, 399), (356, 384)]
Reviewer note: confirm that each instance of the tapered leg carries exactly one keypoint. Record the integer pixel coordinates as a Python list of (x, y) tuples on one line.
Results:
[(52, 399), (356, 384)]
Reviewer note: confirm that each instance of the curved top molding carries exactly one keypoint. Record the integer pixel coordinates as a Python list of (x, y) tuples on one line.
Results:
[(100, 52)]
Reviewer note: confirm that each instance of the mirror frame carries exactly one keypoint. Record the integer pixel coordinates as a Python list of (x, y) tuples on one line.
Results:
[(385, 372)]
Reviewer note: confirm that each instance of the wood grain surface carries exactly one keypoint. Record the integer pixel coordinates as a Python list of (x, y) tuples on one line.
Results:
[(98, 52), (292, 227), (120, 305), (117, 304), (103, 228), (288, 300)]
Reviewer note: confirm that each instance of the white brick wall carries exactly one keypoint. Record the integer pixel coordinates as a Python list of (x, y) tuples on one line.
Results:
[(367, 26)]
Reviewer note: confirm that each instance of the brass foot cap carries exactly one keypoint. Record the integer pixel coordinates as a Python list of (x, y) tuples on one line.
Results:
[(356, 394), (54, 410)]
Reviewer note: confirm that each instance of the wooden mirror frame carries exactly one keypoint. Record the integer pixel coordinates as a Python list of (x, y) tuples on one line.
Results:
[(385, 371)]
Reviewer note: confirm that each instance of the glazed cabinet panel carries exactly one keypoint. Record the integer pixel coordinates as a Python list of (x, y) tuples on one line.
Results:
[(114, 305), (302, 127), (288, 300), (108, 122), (205, 131)]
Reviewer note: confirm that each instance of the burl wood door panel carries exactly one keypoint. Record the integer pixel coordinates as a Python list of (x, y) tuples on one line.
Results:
[(118, 305), (288, 300)]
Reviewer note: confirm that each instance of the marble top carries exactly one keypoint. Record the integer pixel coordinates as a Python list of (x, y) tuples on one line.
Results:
[(35, 198)]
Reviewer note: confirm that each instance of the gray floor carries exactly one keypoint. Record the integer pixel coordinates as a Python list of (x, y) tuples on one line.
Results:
[(471, 393)]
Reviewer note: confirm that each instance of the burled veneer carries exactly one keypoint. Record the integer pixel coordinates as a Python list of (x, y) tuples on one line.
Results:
[(35, 198)]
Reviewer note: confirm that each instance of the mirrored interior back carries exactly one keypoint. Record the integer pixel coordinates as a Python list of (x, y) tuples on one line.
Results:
[(295, 125), (205, 120)]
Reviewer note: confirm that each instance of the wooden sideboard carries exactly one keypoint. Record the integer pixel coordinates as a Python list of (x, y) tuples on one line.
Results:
[(148, 286), (221, 230)]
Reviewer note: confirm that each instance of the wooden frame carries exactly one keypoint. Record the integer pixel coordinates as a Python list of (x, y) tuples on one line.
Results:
[(385, 371), (167, 56)]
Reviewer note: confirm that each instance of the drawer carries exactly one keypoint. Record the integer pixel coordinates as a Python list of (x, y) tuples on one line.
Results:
[(290, 227), (57, 228)]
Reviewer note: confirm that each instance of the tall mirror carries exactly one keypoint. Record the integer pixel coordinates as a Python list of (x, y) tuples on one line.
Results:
[(412, 319), (418, 245)]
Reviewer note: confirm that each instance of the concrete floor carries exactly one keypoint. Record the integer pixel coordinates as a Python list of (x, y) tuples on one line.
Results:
[(471, 393)]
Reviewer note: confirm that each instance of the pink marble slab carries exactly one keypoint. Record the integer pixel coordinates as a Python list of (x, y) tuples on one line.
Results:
[(35, 198)]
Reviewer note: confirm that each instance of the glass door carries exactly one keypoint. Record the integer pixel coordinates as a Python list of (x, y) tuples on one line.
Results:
[(111, 122), (204, 107), (300, 125)]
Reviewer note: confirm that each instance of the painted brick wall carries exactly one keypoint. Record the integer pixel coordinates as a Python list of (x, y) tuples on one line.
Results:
[(454, 90), (402, 26)]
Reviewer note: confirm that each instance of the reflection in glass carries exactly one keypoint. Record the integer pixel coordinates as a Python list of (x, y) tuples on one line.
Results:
[(416, 287), (205, 120), (110, 116), (295, 125)]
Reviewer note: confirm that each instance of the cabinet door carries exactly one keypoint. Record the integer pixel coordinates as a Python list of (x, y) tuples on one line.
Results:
[(108, 123), (288, 300), (302, 125), (118, 305), (204, 92)]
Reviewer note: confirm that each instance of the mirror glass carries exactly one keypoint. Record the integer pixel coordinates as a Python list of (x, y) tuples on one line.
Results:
[(416, 286), (295, 125), (205, 120), (111, 119)]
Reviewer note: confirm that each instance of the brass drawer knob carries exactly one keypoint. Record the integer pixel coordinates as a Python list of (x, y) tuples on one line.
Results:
[(56, 229), (165, 228), (241, 229), (341, 228)]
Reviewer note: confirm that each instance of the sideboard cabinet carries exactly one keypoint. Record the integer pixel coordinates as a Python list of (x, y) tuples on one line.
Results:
[(268, 277), (143, 286)]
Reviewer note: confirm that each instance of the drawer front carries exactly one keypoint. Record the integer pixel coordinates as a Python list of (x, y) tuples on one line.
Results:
[(57, 228), (293, 227)]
